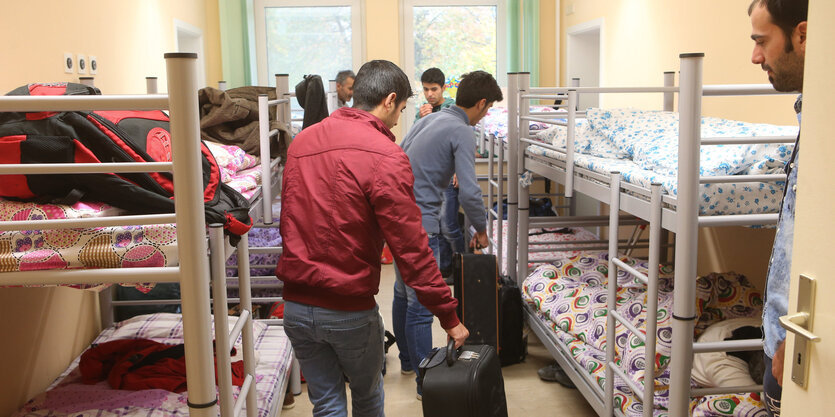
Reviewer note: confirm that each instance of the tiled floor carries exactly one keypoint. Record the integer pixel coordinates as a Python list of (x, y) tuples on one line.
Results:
[(526, 393)]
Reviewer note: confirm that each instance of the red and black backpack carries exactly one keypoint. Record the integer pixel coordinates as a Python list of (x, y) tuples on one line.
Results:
[(105, 136)]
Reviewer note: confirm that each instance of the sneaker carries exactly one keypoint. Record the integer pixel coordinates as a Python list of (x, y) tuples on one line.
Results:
[(419, 397), (407, 371), (553, 373), (289, 401)]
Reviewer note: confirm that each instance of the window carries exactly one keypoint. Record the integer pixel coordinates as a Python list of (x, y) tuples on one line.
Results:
[(457, 36), (299, 37)]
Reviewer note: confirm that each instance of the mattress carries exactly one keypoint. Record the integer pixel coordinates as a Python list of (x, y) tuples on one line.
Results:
[(643, 147), (69, 396), (495, 121), (570, 298), (550, 235), (106, 247)]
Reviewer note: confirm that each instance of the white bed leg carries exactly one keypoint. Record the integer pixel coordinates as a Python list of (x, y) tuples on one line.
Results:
[(295, 377)]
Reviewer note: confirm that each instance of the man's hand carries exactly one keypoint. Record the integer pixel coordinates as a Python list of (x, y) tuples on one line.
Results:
[(479, 241), (459, 334), (777, 363), (425, 109), (454, 181)]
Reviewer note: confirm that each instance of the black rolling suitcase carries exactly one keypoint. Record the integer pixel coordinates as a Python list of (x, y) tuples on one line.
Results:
[(464, 383), (490, 308)]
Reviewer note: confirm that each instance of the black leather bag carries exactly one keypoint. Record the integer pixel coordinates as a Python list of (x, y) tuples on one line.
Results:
[(463, 383)]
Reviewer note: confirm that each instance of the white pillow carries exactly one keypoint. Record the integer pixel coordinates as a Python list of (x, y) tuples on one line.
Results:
[(164, 326), (716, 369)]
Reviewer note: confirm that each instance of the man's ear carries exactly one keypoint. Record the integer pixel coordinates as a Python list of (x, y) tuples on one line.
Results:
[(799, 36), (482, 104), (390, 101)]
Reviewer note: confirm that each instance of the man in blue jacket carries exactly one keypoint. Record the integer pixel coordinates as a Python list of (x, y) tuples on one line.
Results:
[(439, 145), (778, 29)]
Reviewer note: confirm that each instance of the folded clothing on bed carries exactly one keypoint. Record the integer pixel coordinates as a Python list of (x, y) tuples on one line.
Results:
[(136, 364)]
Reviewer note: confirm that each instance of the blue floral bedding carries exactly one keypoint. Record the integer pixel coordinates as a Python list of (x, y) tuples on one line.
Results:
[(643, 146)]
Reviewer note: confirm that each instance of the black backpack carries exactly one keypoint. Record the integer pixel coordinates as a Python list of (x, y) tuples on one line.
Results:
[(105, 136)]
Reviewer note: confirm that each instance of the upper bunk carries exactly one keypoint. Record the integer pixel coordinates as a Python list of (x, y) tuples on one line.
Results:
[(698, 180)]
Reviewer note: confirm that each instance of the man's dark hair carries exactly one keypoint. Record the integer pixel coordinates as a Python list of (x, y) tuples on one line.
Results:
[(343, 75), (433, 76), (475, 86), (786, 14), (377, 79)]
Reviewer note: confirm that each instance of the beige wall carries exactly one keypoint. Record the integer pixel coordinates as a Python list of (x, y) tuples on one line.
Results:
[(44, 330), (643, 38), (129, 39)]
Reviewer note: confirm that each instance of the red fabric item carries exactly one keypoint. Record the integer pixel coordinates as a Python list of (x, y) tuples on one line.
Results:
[(347, 187), (277, 310), (386, 257), (127, 364)]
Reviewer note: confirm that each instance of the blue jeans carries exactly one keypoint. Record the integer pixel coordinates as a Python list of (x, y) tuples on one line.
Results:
[(453, 240), (330, 345), (412, 322), (772, 391)]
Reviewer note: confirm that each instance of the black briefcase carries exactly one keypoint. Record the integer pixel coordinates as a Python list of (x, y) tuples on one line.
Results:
[(463, 383), (490, 308)]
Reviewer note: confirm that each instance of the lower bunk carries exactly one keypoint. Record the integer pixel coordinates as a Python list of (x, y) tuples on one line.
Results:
[(566, 306), (69, 395)]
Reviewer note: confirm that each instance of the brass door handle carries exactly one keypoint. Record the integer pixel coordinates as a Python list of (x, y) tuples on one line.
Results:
[(793, 323)]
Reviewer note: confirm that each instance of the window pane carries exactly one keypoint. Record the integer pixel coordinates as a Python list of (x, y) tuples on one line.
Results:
[(308, 40), (456, 39)]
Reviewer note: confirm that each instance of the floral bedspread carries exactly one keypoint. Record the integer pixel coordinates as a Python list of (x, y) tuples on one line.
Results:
[(571, 298)]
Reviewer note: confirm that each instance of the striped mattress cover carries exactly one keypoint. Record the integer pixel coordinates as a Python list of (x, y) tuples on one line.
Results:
[(68, 396)]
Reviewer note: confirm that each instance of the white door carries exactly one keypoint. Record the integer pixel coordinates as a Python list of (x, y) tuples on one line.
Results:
[(814, 236), (583, 58)]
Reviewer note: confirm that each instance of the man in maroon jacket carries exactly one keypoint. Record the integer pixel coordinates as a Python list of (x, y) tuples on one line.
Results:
[(347, 186)]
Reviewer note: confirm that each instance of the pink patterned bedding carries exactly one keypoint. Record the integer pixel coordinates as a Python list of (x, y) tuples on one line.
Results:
[(570, 298), (546, 236), (69, 396), (106, 247)]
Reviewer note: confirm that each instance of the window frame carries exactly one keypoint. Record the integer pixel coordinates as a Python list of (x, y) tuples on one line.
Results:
[(357, 31), (408, 43)]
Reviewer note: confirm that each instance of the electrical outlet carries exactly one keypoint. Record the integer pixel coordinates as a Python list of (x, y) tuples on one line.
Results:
[(570, 9), (81, 63), (93, 63), (68, 63)]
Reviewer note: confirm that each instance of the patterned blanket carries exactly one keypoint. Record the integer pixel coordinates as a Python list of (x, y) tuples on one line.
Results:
[(69, 396), (571, 298)]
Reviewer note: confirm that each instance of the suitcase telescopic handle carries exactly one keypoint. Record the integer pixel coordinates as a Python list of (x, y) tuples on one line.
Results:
[(451, 352)]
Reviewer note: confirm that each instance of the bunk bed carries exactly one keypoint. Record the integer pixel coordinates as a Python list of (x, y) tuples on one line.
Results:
[(267, 356), (565, 297)]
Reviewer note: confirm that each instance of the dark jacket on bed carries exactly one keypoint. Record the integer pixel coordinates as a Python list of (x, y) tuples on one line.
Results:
[(231, 117), (347, 186)]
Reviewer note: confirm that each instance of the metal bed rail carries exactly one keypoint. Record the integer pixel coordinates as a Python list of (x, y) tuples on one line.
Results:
[(182, 104)]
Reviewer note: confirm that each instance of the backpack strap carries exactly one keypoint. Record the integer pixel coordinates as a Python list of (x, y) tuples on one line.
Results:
[(235, 226)]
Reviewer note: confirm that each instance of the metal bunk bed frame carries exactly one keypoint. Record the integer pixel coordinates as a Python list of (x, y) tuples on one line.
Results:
[(678, 214), (194, 266)]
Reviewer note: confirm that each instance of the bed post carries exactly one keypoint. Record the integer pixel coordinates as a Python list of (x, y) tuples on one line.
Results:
[(524, 83), (669, 98), (264, 136), (191, 232), (491, 194), (572, 202), (655, 247), (282, 90), (687, 208), (106, 312), (333, 98), (151, 85), (221, 314), (612, 290), (247, 336), (513, 93)]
